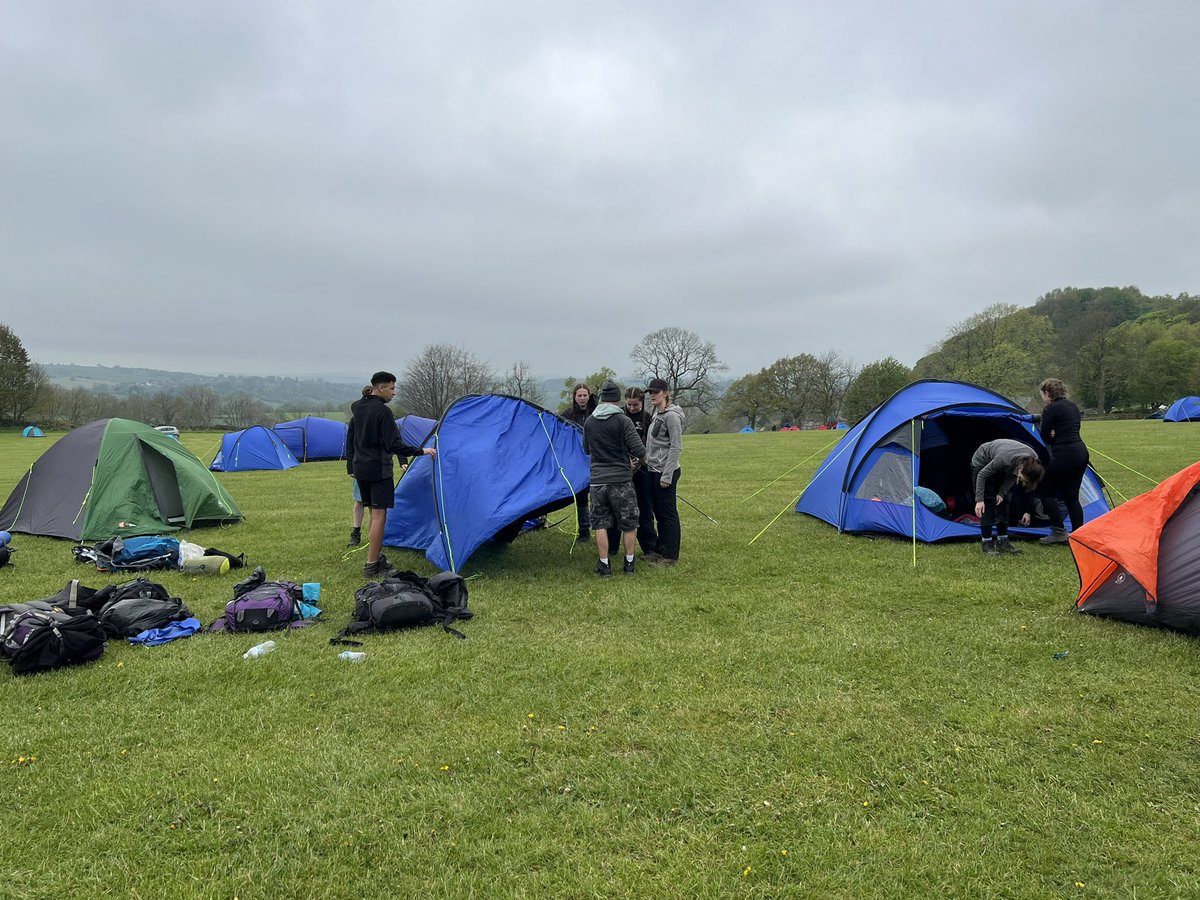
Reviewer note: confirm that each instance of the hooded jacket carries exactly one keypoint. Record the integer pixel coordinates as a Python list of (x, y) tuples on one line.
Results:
[(666, 440), (373, 440), (999, 461), (611, 441)]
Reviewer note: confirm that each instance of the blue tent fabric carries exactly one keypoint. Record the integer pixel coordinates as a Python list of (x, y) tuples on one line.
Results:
[(500, 461), (1185, 409), (414, 429), (255, 449), (866, 483), (312, 438), (32, 431), (746, 429)]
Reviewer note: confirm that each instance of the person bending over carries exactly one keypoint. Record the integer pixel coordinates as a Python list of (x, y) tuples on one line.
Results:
[(996, 468)]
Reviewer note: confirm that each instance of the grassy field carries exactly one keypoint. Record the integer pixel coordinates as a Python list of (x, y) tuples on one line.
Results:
[(811, 715)]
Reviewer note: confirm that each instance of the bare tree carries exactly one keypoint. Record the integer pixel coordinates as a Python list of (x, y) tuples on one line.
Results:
[(78, 407), (164, 407), (682, 359), (831, 380), (439, 375), (242, 411), (198, 406), (519, 382)]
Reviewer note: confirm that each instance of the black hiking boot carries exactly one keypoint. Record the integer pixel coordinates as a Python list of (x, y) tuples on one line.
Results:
[(355, 537), (603, 569), (378, 570), (1003, 547), (629, 566), (989, 548), (1056, 536)]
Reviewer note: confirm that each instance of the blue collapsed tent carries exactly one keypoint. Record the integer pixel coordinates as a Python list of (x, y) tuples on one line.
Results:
[(1185, 409), (32, 431), (918, 444), (500, 461), (254, 449), (414, 429), (312, 438)]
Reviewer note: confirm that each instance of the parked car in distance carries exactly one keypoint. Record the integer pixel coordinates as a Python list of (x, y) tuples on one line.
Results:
[(168, 430)]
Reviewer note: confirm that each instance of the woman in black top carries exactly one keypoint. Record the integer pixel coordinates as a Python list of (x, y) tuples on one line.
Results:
[(1068, 460)]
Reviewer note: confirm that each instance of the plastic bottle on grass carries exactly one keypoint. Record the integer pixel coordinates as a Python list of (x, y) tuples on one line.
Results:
[(259, 650), (352, 655)]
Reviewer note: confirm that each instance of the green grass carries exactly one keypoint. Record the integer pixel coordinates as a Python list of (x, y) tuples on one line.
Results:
[(809, 715)]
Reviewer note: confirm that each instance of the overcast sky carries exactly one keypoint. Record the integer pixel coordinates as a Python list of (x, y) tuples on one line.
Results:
[(306, 186)]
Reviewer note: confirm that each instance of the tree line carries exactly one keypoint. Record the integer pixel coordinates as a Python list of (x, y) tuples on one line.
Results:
[(1116, 348)]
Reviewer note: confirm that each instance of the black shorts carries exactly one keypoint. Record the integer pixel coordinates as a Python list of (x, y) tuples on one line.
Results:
[(610, 504), (378, 494)]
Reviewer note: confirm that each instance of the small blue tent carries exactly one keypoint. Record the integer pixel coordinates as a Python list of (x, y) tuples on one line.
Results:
[(500, 461), (746, 429), (1185, 409), (923, 435), (414, 429), (32, 431), (313, 438), (254, 449)]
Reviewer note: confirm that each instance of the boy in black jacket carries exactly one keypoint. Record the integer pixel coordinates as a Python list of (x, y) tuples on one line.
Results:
[(370, 445), (610, 439)]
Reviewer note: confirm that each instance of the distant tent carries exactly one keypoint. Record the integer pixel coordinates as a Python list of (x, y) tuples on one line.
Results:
[(746, 429), (1185, 409), (414, 429), (115, 476), (312, 438), (32, 431), (256, 448), (501, 461), (924, 436), (1141, 562)]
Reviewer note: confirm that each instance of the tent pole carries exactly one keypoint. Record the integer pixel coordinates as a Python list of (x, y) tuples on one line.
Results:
[(913, 447)]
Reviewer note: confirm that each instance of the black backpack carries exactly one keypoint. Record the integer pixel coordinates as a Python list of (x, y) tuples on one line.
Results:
[(407, 600), (39, 640), (137, 606)]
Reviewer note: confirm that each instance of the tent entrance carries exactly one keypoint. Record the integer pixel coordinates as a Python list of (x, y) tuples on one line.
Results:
[(949, 440), (164, 483)]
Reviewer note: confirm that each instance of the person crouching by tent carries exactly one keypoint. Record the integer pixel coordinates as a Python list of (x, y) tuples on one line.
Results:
[(996, 468), (583, 401), (610, 439), (372, 441), (664, 448)]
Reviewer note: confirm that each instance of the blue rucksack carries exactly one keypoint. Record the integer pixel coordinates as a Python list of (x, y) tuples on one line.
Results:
[(132, 554)]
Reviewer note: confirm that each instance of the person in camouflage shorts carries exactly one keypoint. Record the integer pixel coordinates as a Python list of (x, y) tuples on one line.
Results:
[(611, 441)]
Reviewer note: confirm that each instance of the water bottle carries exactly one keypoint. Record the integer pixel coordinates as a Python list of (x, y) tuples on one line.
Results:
[(352, 655), (259, 650)]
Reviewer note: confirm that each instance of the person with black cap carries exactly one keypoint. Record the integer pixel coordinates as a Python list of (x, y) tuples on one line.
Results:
[(611, 441), (663, 449)]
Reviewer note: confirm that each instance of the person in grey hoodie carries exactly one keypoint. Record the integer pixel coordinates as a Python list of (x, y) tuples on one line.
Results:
[(664, 447), (996, 468), (611, 440)]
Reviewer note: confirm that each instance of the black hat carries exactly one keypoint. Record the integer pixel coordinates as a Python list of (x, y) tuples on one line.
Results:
[(610, 393), (655, 385)]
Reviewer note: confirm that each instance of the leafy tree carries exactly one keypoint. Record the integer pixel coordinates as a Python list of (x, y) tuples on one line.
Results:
[(1004, 348), (439, 375), (685, 361), (17, 389), (788, 383), (875, 383), (747, 400), (830, 380)]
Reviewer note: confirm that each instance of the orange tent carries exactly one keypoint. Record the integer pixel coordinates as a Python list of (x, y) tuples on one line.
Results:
[(1141, 562)]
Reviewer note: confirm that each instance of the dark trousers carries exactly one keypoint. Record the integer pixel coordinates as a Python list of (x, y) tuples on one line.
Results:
[(581, 515), (1062, 481), (666, 514), (647, 537), (993, 513)]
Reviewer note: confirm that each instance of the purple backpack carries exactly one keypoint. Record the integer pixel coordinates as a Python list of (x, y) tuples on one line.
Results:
[(260, 605)]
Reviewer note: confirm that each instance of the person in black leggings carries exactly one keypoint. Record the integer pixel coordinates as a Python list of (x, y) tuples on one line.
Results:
[(1068, 460)]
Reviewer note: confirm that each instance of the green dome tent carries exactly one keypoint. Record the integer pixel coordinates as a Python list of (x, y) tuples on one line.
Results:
[(116, 476)]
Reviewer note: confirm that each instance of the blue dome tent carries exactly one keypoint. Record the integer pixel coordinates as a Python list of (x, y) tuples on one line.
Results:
[(501, 461), (923, 436), (312, 438), (32, 431), (254, 449), (414, 429), (1185, 409)]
